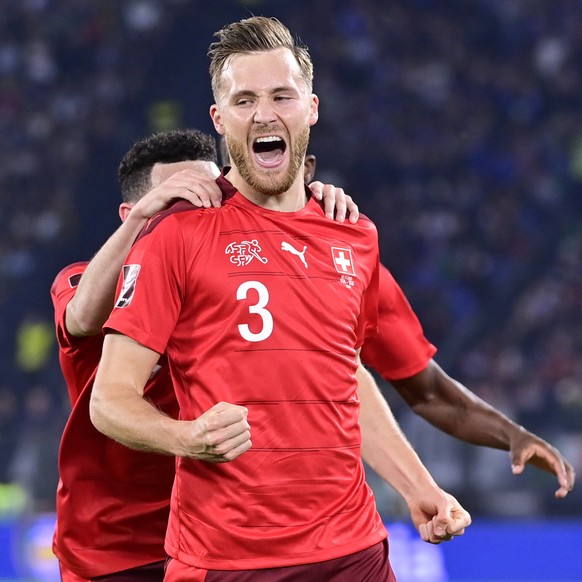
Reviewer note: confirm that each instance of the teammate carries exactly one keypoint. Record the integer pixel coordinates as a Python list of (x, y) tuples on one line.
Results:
[(263, 303), (113, 502)]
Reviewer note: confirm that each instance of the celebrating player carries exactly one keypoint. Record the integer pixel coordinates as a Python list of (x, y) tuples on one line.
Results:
[(243, 319)]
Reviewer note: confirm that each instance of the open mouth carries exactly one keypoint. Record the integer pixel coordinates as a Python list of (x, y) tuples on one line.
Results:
[(269, 150)]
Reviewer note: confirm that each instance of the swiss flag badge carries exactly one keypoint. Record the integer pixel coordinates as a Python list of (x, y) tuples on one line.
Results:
[(342, 260)]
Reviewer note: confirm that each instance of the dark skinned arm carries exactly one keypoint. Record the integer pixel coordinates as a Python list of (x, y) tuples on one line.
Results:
[(452, 408)]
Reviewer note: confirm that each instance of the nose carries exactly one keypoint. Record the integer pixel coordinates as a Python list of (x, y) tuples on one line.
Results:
[(264, 112)]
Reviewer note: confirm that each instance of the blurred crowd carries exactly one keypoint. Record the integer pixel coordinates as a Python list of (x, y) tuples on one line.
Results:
[(456, 126)]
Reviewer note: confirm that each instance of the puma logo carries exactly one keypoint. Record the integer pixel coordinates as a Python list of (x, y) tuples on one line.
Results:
[(301, 254)]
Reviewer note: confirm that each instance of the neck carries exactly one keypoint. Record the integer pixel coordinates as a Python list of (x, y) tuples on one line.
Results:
[(292, 200)]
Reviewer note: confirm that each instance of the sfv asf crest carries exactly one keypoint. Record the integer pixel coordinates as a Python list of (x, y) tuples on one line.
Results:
[(244, 252)]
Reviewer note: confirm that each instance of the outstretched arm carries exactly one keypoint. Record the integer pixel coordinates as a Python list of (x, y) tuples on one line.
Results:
[(93, 301), (119, 410), (437, 515), (451, 407)]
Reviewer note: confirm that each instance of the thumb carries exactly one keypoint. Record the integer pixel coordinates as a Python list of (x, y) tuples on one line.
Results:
[(517, 464)]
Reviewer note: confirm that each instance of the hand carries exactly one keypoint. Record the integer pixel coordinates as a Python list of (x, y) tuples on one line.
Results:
[(439, 517), (335, 199), (526, 447), (219, 435), (199, 188)]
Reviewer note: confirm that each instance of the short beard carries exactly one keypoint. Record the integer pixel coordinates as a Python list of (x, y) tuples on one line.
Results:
[(269, 185)]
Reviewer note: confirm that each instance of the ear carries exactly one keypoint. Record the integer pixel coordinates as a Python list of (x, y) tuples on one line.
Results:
[(314, 110), (217, 119), (124, 210), (309, 168)]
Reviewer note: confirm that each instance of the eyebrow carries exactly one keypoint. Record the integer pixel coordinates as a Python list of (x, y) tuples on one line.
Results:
[(249, 93)]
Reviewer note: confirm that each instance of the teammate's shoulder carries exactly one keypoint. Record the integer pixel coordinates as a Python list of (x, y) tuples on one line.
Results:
[(184, 210), (69, 276), (179, 210)]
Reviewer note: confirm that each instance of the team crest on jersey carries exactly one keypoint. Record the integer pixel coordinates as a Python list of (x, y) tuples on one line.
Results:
[(343, 261), (130, 273), (344, 265), (242, 253)]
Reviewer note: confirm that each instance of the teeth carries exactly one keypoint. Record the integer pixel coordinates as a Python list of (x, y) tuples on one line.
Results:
[(268, 139)]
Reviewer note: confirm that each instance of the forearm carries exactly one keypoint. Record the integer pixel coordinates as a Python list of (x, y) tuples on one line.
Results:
[(119, 410), (384, 446), (452, 408), (95, 295), (118, 407), (122, 414)]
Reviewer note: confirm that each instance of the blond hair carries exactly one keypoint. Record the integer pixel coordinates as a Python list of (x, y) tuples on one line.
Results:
[(255, 34)]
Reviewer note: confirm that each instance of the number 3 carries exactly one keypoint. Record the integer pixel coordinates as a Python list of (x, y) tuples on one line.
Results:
[(258, 308)]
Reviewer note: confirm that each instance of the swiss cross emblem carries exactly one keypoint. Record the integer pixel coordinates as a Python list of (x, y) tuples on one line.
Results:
[(342, 260)]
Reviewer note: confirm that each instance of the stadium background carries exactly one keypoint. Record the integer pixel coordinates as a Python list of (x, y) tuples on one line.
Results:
[(455, 124)]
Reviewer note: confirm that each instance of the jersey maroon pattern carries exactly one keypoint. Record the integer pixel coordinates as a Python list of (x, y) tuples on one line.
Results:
[(112, 502), (398, 349), (250, 308)]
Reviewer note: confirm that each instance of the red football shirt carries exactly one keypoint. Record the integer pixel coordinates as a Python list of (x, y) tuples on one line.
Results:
[(398, 349), (262, 309), (112, 502)]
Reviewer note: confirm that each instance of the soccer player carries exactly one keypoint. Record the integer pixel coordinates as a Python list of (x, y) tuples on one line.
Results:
[(263, 303)]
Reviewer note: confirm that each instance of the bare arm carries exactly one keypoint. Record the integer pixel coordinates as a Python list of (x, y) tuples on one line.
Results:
[(436, 514), (93, 301), (119, 410), (454, 409)]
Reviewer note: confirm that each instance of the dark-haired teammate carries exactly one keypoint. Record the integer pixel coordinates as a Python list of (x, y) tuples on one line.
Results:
[(112, 502)]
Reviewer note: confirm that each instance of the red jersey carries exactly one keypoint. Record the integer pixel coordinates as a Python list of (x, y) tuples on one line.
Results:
[(112, 502), (263, 309), (398, 349)]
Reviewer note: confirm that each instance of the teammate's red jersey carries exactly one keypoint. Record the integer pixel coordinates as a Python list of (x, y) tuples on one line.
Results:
[(262, 309), (112, 502), (398, 349)]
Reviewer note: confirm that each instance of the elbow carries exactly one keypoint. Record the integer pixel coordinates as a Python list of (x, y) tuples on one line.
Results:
[(80, 324), (97, 413), (87, 325)]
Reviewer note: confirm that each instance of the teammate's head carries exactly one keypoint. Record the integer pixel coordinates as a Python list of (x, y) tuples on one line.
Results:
[(153, 159), (255, 34)]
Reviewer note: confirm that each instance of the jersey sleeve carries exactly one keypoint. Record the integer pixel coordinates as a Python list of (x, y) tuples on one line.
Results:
[(63, 290), (368, 320), (149, 291), (398, 349)]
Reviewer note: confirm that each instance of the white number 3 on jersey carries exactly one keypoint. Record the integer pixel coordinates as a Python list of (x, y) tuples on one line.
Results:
[(259, 309)]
